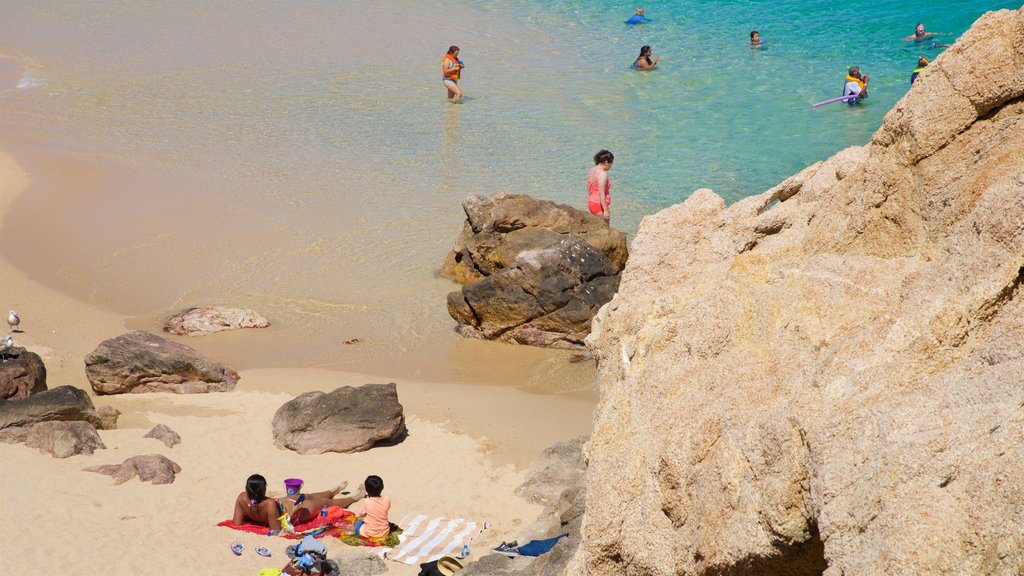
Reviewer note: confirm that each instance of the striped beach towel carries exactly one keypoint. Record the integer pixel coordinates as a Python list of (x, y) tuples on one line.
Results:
[(425, 539)]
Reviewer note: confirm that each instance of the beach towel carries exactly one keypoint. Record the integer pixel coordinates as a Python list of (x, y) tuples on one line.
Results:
[(538, 547), (347, 533), (425, 539), (313, 528)]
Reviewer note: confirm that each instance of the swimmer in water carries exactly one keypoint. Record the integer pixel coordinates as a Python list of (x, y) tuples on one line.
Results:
[(920, 34), (755, 39), (644, 61), (637, 17), (856, 85), (921, 63)]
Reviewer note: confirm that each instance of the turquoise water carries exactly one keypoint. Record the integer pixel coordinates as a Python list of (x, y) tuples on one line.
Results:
[(301, 159)]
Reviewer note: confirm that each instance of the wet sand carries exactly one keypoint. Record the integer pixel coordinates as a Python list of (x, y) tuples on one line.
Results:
[(465, 454)]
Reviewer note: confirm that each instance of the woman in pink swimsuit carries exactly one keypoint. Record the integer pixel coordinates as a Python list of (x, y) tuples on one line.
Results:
[(599, 186)]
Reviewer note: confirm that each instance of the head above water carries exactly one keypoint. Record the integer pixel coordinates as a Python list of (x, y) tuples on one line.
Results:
[(755, 36), (374, 485), (639, 11), (453, 50), (604, 156), (256, 488), (645, 50), (919, 30), (855, 71), (922, 61)]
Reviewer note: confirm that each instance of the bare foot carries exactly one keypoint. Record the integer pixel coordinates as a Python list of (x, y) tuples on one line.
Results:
[(339, 488), (360, 493)]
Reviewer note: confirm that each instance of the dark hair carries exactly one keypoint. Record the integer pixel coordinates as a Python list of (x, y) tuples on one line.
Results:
[(374, 485), (752, 32), (604, 156), (453, 49), (645, 49), (256, 488)]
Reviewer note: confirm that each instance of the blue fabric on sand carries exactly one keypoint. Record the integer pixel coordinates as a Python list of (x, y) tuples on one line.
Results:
[(538, 547)]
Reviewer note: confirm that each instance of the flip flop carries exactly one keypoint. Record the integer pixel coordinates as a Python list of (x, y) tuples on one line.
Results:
[(236, 547), (262, 551)]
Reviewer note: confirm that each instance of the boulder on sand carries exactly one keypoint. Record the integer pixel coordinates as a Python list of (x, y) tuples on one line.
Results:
[(65, 403), (142, 362), (22, 374), (545, 297), (346, 420), (209, 319), (498, 228), (155, 468), (64, 439), (163, 433)]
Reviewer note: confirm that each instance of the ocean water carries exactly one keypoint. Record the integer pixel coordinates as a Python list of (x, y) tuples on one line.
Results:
[(301, 159)]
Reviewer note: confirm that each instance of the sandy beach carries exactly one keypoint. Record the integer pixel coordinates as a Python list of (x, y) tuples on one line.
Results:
[(467, 450)]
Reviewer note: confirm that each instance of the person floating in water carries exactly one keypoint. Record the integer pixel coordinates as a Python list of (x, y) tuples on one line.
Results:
[(645, 61), (920, 34), (856, 85), (637, 17), (599, 187), (451, 71), (755, 39), (921, 63)]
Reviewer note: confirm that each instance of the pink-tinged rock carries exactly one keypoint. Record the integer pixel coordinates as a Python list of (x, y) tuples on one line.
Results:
[(154, 468), (64, 439), (163, 433), (209, 319)]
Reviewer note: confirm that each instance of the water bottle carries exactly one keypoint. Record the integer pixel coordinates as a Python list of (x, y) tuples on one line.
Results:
[(273, 532), (323, 515), (465, 551)]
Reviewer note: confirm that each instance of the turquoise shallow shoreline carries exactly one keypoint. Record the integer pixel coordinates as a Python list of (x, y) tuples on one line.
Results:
[(283, 158)]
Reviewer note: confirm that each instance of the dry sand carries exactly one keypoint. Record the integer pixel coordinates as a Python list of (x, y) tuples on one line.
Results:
[(467, 450)]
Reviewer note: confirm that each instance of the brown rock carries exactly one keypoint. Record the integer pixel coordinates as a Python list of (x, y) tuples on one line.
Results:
[(154, 468), (498, 228), (22, 374), (345, 420), (209, 319), (14, 435), (163, 433), (834, 388), (64, 403), (108, 417), (143, 362), (63, 439)]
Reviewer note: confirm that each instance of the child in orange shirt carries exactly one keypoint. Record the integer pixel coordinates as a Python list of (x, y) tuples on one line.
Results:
[(375, 522)]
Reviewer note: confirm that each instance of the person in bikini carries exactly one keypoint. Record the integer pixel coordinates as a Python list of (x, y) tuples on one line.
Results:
[(645, 61), (599, 186), (255, 507), (451, 72)]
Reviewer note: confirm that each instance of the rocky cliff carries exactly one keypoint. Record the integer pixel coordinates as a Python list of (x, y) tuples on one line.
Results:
[(829, 377)]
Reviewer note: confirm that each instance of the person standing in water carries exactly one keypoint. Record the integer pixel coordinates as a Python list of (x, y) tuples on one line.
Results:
[(856, 85), (451, 71), (599, 186), (921, 63), (644, 61)]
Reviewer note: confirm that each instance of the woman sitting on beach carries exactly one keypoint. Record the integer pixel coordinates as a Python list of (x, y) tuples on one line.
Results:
[(255, 507), (644, 60)]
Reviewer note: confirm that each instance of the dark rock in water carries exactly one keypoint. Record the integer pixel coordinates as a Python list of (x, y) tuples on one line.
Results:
[(154, 468), (22, 374), (163, 433), (143, 362), (64, 439), (498, 228), (544, 298), (346, 420), (209, 319), (65, 403)]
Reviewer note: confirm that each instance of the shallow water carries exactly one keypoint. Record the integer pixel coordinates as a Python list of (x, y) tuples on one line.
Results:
[(300, 159)]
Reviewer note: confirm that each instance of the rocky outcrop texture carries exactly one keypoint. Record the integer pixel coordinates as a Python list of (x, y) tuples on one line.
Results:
[(163, 433), (828, 378), (536, 272), (143, 362), (348, 419), (64, 439), (64, 403), (154, 468), (209, 319), (22, 374)]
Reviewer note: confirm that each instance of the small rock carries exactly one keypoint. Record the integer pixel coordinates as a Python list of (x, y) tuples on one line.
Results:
[(154, 468), (108, 417), (163, 433), (64, 439), (22, 373), (360, 565)]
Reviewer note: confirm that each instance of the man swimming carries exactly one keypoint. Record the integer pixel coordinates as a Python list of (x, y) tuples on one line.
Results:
[(920, 34), (637, 17)]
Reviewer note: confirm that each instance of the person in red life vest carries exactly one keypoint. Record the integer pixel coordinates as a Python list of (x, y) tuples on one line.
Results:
[(451, 71)]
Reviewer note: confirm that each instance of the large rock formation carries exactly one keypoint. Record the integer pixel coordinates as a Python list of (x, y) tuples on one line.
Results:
[(22, 374), (536, 271), (64, 403), (498, 228), (209, 319), (828, 379), (346, 420), (142, 362)]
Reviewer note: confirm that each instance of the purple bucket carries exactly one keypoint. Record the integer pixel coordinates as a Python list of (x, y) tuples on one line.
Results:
[(293, 486)]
